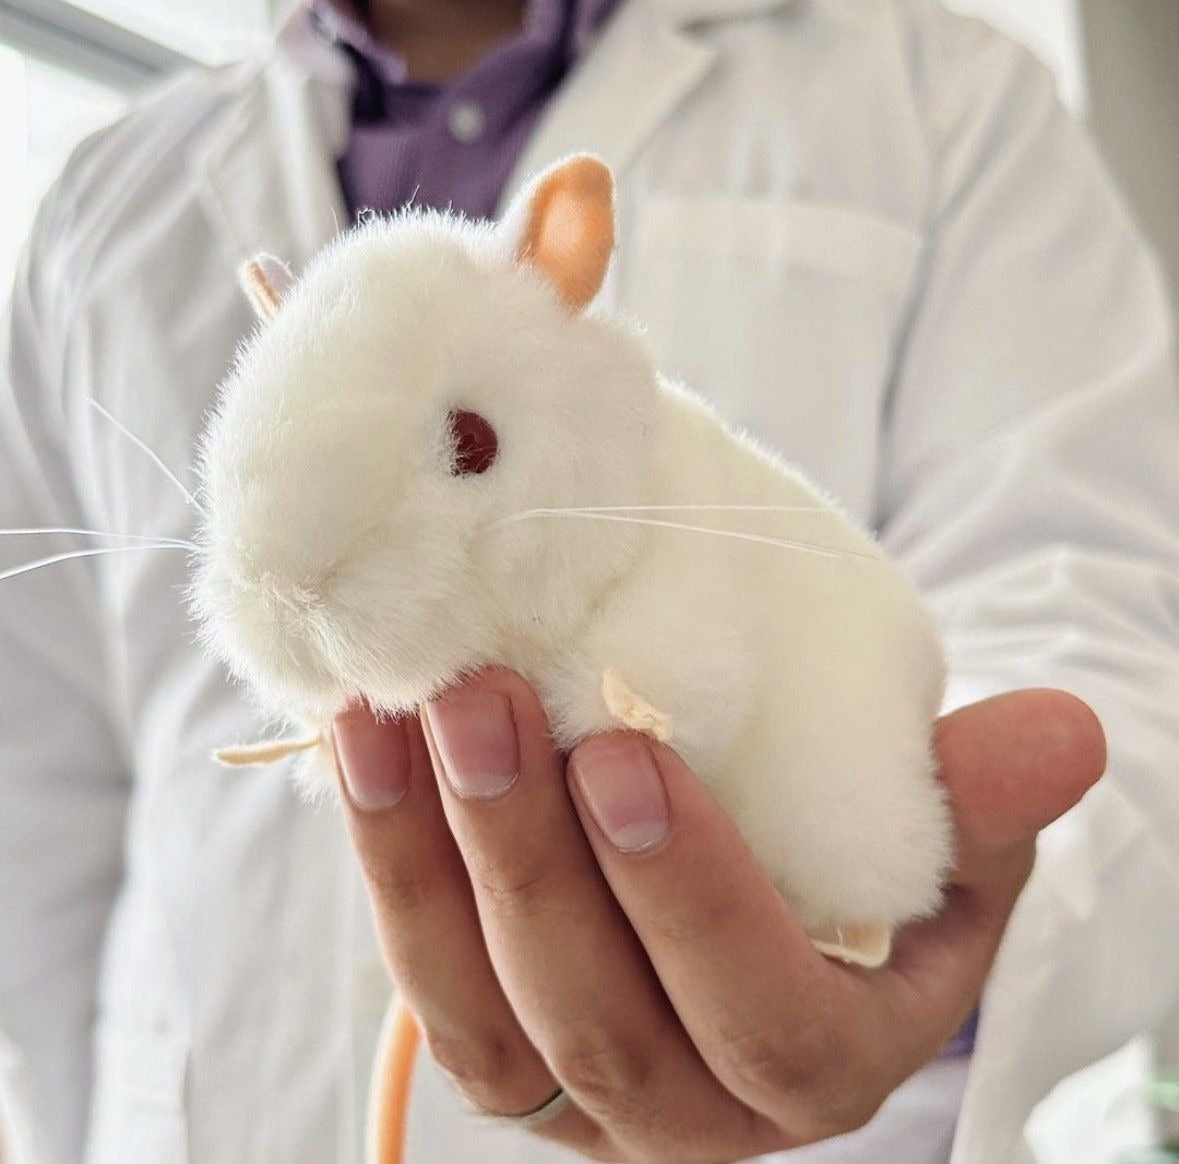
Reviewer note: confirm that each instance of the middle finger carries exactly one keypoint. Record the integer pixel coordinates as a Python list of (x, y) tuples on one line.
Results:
[(568, 960)]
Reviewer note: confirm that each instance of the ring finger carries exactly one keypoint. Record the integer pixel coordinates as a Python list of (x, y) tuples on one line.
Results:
[(428, 925)]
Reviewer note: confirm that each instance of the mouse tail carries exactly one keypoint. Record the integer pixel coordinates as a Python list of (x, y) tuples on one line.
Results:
[(388, 1109)]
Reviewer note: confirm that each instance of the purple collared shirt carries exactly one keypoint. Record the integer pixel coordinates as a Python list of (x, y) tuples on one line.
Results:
[(452, 144)]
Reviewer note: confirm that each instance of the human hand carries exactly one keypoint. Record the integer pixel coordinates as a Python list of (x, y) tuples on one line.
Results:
[(659, 977)]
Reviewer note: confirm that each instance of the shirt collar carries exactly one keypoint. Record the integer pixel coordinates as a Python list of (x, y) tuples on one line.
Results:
[(340, 22)]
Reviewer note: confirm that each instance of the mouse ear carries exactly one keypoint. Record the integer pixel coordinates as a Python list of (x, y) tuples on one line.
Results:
[(562, 224), (266, 281)]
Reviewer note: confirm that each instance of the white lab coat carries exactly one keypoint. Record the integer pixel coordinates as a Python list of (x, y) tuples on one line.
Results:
[(867, 230)]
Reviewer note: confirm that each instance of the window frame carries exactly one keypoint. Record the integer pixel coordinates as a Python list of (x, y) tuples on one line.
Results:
[(78, 41)]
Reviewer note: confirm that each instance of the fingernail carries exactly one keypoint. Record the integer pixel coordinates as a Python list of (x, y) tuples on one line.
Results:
[(372, 757), (475, 737), (623, 790)]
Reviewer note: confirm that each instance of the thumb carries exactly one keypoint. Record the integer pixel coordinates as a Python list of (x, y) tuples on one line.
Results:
[(1012, 765)]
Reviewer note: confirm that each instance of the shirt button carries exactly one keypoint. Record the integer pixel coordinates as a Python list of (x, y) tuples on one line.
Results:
[(467, 121)]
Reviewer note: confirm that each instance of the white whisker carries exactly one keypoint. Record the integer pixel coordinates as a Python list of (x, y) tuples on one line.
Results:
[(29, 567), (122, 428), (783, 543), (669, 509), (98, 533)]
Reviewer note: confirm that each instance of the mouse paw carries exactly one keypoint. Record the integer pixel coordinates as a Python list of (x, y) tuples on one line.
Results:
[(858, 943), (270, 752), (633, 710)]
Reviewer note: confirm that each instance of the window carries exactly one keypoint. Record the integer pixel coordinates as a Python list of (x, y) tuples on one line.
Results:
[(206, 30), (68, 68)]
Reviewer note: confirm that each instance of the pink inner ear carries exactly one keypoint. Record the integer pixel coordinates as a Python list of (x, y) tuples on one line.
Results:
[(475, 443), (568, 234)]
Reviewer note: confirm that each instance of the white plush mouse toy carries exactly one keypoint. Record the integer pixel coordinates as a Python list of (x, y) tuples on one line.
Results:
[(431, 456)]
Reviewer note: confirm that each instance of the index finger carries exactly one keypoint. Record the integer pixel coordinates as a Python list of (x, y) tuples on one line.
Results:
[(766, 1011), (770, 1015)]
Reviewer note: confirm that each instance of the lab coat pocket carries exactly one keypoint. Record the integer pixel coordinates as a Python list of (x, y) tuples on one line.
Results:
[(137, 1112), (785, 313)]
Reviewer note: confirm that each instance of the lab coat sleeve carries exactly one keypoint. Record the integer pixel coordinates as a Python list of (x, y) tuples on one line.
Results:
[(1032, 491), (62, 775)]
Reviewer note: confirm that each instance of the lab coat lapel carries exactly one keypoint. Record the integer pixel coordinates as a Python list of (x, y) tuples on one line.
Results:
[(622, 90), (630, 82), (268, 178)]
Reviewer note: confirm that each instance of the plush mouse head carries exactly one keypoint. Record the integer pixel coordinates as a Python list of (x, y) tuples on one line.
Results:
[(425, 379)]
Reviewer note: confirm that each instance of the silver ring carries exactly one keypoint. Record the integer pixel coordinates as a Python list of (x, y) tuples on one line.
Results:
[(550, 1109)]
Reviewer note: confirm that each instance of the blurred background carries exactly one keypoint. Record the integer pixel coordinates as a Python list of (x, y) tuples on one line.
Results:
[(67, 68)]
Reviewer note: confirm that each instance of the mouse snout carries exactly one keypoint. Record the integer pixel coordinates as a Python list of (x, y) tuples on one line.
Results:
[(274, 624)]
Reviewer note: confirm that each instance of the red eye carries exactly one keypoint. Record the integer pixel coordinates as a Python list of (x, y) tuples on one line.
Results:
[(475, 443)]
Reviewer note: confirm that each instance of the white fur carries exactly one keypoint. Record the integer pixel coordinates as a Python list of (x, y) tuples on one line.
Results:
[(343, 559)]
